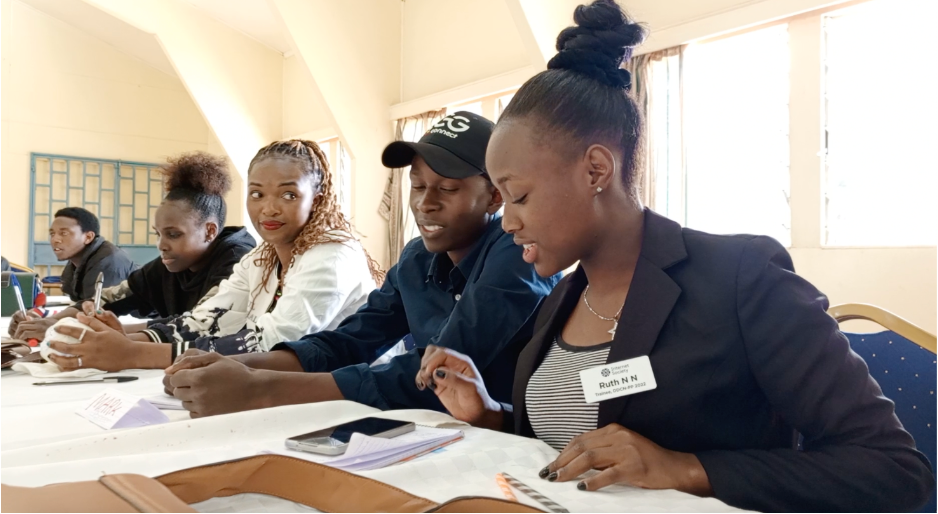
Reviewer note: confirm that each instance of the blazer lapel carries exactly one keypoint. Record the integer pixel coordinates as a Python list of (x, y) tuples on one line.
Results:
[(651, 297), (553, 314)]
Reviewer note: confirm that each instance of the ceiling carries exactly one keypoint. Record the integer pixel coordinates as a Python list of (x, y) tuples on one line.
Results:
[(107, 28), (252, 18)]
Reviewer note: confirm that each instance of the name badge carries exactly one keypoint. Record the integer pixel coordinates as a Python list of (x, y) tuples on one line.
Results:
[(617, 379)]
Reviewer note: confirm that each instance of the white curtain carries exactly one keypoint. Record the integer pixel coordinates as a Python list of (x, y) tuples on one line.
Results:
[(657, 88), (395, 206)]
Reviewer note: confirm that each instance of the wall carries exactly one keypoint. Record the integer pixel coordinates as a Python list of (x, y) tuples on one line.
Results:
[(68, 93), (303, 109), (451, 43), (235, 199), (353, 57), (900, 280), (235, 81)]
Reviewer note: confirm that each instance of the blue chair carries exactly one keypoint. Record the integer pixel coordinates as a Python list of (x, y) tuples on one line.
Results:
[(902, 360)]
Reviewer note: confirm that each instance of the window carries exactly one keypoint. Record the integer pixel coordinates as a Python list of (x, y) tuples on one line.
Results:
[(736, 135), (880, 125), (341, 167), (473, 107), (501, 103), (665, 136), (490, 107), (718, 134), (123, 195)]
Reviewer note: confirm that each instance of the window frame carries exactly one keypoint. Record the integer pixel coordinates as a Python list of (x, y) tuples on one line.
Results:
[(40, 255)]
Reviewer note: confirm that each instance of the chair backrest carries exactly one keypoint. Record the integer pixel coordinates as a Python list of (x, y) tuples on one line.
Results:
[(19, 268), (907, 374)]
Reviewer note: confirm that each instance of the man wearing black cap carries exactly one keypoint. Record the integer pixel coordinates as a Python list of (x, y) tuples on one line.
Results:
[(462, 285)]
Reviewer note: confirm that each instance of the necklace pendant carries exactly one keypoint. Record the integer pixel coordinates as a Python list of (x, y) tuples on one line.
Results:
[(613, 329)]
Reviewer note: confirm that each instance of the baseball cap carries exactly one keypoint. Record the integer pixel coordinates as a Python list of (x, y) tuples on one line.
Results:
[(454, 147)]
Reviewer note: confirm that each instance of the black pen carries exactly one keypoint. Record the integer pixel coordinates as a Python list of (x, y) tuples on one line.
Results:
[(98, 381)]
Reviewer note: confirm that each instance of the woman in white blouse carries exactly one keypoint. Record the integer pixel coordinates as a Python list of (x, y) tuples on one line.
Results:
[(308, 276)]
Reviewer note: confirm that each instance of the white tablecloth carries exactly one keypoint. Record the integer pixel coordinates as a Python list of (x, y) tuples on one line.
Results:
[(43, 441), (35, 415)]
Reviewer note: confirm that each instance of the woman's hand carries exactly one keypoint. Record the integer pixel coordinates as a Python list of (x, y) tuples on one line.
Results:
[(457, 383), (106, 317), (210, 384), (103, 348), (30, 328), (625, 457)]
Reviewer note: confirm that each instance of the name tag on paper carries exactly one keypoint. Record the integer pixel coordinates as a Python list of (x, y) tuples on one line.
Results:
[(618, 379), (115, 409)]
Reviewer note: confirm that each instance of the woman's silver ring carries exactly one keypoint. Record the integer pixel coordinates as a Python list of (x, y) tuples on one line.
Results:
[(79, 360)]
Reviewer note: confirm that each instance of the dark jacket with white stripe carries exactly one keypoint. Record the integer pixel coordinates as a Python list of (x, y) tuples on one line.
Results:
[(745, 354)]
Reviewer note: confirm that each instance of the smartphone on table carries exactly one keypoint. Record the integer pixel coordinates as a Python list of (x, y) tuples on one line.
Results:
[(334, 440)]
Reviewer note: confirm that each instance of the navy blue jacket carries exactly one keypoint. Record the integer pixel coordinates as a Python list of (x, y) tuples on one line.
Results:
[(479, 307)]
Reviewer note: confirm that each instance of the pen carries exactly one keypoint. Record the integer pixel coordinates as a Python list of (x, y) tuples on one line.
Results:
[(106, 380), (19, 300), (98, 285), (549, 504), (506, 489)]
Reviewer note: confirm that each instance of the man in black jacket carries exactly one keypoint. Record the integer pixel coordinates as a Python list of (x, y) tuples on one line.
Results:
[(74, 235), (75, 238)]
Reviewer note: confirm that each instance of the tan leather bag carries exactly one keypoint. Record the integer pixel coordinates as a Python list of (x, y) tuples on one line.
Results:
[(314, 485)]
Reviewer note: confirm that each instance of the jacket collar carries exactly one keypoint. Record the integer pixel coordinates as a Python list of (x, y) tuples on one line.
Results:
[(652, 295), (89, 250)]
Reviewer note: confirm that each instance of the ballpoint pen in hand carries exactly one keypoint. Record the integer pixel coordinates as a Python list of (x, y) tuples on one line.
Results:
[(18, 291), (98, 286)]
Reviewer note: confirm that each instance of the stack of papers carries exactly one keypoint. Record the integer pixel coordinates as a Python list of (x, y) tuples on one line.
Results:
[(366, 452)]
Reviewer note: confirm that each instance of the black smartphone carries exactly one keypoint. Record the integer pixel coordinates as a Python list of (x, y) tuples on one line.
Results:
[(334, 440)]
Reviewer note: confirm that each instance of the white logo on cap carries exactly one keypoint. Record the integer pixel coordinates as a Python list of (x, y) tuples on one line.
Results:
[(455, 127)]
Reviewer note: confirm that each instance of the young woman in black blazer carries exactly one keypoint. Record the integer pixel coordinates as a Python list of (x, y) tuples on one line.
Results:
[(741, 348)]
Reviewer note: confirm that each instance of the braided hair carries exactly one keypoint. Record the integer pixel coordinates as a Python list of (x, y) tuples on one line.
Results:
[(327, 224), (584, 93), (201, 180)]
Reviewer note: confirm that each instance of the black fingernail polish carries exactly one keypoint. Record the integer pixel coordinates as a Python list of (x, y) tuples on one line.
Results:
[(432, 386), (581, 486), (551, 477), (440, 373), (544, 472)]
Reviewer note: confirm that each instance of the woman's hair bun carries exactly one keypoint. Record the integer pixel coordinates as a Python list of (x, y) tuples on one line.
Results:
[(199, 172), (600, 42)]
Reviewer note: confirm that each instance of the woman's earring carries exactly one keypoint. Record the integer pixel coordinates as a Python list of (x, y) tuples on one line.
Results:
[(599, 190)]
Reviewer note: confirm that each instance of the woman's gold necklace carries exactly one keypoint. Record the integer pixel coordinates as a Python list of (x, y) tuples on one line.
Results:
[(614, 319)]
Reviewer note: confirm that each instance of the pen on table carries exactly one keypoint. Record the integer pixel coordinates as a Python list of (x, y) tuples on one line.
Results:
[(105, 380), (506, 489), (98, 286), (549, 504), (19, 300)]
